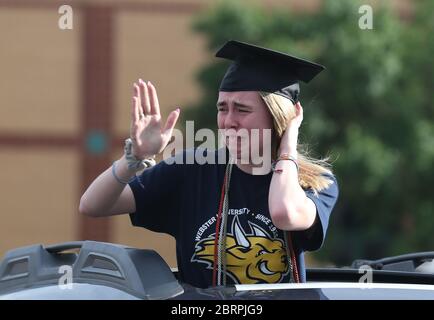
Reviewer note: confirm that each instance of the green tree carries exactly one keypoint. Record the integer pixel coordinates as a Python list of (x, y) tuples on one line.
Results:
[(371, 111)]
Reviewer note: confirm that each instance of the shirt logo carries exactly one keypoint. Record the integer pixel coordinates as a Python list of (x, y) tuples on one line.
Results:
[(253, 257)]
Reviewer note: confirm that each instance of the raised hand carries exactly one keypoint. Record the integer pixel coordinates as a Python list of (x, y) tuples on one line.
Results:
[(146, 131)]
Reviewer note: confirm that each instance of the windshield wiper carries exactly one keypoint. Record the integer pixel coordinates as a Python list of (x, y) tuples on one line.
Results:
[(406, 262)]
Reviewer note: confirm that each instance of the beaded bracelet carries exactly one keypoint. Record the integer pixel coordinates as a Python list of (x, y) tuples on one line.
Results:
[(133, 162), (119, 179)]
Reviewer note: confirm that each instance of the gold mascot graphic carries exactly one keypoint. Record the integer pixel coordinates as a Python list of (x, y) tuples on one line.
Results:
[(250, 258)]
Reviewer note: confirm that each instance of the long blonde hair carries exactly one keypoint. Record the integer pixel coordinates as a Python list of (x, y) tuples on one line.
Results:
[(311, 174)]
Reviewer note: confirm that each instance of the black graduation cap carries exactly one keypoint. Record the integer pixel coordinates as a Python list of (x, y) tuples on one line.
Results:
[(260, 69)]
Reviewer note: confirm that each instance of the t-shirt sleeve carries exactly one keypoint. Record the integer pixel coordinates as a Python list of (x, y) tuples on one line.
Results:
[(313, 238), (157, 193)]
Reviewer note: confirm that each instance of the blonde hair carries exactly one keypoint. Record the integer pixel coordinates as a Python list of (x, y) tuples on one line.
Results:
[(311, 173)]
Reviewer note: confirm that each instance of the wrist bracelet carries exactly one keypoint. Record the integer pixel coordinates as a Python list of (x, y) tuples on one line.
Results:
[(119, 179), (134, 163), (284, 156)]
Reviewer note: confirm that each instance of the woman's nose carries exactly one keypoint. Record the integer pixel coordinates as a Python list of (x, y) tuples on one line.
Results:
[(230, 120)]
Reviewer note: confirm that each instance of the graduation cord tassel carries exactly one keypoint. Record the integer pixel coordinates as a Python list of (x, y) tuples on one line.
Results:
[(220, 231), (220, 267), (221, 253), (216, 234), (292, 262)]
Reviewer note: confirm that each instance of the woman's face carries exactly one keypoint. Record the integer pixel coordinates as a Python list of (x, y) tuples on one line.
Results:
[(237, 114)]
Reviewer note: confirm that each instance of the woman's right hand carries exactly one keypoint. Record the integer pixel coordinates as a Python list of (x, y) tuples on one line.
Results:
[(146, 131)]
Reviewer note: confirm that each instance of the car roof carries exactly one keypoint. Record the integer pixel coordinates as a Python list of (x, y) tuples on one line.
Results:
[(141, 273), (102, 270)]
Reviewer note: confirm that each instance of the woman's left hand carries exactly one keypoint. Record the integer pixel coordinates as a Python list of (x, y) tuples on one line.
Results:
[(289, 140), (297, 120)]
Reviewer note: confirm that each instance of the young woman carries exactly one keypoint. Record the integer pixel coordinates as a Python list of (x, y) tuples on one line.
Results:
[(237, 221)]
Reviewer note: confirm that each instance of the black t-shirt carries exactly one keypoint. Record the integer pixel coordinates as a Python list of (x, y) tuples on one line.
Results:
[(182, 200)]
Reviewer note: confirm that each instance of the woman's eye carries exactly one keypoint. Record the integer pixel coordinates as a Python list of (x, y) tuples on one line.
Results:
[(244, 111)]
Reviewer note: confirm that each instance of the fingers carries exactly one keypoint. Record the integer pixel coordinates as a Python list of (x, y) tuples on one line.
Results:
[(298, 110), (135, 110), (135, 117), (147, 98), (171, 122), (298, 119), (138, 98), (144, 97), (155, 106)]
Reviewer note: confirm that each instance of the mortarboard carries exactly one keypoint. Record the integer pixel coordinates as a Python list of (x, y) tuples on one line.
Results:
[(260, 69)]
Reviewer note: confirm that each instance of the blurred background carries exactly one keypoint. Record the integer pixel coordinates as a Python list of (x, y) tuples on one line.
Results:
[(65, 100)]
